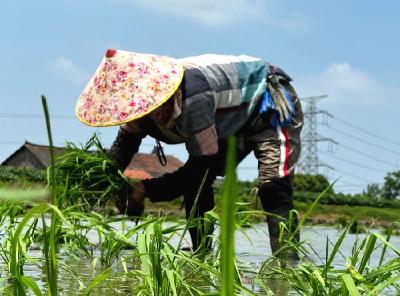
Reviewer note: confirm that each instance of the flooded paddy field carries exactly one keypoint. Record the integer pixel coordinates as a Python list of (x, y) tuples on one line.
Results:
[(76, 273)]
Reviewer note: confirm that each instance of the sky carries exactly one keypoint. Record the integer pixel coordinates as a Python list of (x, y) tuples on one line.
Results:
[(348, 50)]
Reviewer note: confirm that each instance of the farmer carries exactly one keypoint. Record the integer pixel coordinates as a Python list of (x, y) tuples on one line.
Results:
[(199, 101)]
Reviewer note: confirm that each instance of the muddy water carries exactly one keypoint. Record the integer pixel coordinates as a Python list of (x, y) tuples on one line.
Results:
[(252, 249)]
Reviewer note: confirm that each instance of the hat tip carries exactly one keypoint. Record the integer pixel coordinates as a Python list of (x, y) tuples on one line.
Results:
[(110, 52)]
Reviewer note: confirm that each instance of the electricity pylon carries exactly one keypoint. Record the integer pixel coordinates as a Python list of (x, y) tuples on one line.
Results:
[(309, 162)]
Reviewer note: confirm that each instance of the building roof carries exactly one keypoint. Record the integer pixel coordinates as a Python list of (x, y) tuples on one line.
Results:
[(137, 174), (41, 153), (149, 163)]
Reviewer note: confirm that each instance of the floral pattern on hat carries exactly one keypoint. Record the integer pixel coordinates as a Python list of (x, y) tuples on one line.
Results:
[(127, 86)]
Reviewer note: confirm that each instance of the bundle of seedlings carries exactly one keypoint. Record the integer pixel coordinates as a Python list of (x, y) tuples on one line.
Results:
[(87, 177)]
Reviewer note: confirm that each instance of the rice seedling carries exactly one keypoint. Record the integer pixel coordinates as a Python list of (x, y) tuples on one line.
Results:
[(50, 247), (18, 252), (358, 277), (164, 270), (88, 175)]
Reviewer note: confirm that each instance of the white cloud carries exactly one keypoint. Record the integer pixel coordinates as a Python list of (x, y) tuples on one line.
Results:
[(224, 12), (343, 78), (344, 84), (69, 70)]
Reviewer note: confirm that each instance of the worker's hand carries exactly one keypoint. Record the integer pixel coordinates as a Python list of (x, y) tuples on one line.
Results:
[(133, 203)]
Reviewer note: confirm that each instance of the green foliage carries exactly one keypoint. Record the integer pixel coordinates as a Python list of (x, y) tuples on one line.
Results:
[(390, 189), (310, 183), (391, 186), (373, 190), (245, 188), (347, 199), (248, 198), (20, 175)]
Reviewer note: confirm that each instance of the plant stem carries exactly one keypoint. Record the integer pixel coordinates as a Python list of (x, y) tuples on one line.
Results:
[(228, 223), (53, 271)]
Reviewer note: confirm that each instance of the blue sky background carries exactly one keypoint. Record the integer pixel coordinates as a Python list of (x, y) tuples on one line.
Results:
[(349, 50)]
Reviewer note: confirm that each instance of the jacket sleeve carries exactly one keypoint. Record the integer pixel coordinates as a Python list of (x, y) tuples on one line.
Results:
[(124, 147), (197, 118), (186, 179)]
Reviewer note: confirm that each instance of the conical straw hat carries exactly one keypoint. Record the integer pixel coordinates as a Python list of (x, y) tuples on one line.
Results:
[(127, 86)]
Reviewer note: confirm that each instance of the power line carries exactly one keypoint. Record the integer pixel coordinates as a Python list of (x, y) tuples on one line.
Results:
[(343, 185), (365, 131), (353, 162), (363, 141), (349, 186), (366, 155), (346, 183), (34, 116), (353, 176), (352, 189)]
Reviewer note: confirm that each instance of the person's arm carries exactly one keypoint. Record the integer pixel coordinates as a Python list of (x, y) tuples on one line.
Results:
[(188, 178), (202, 148), (125, 146)]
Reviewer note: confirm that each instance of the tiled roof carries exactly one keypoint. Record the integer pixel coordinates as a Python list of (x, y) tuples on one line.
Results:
[(41, 152), (150, 164), (137, 174)]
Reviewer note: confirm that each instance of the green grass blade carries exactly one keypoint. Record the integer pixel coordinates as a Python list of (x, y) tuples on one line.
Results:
[(96, 281), (53, 272), (14, 251), (228, 223), (384, 284), (357, 251), (50, 137), (171, 279), (394, 249), (334, 251), (350, 285), (389, 234), (369, 248), (31, 284)]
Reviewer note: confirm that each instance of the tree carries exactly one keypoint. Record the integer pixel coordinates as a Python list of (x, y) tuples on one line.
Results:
[(310, 183), (373, 190), (391, 186)]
